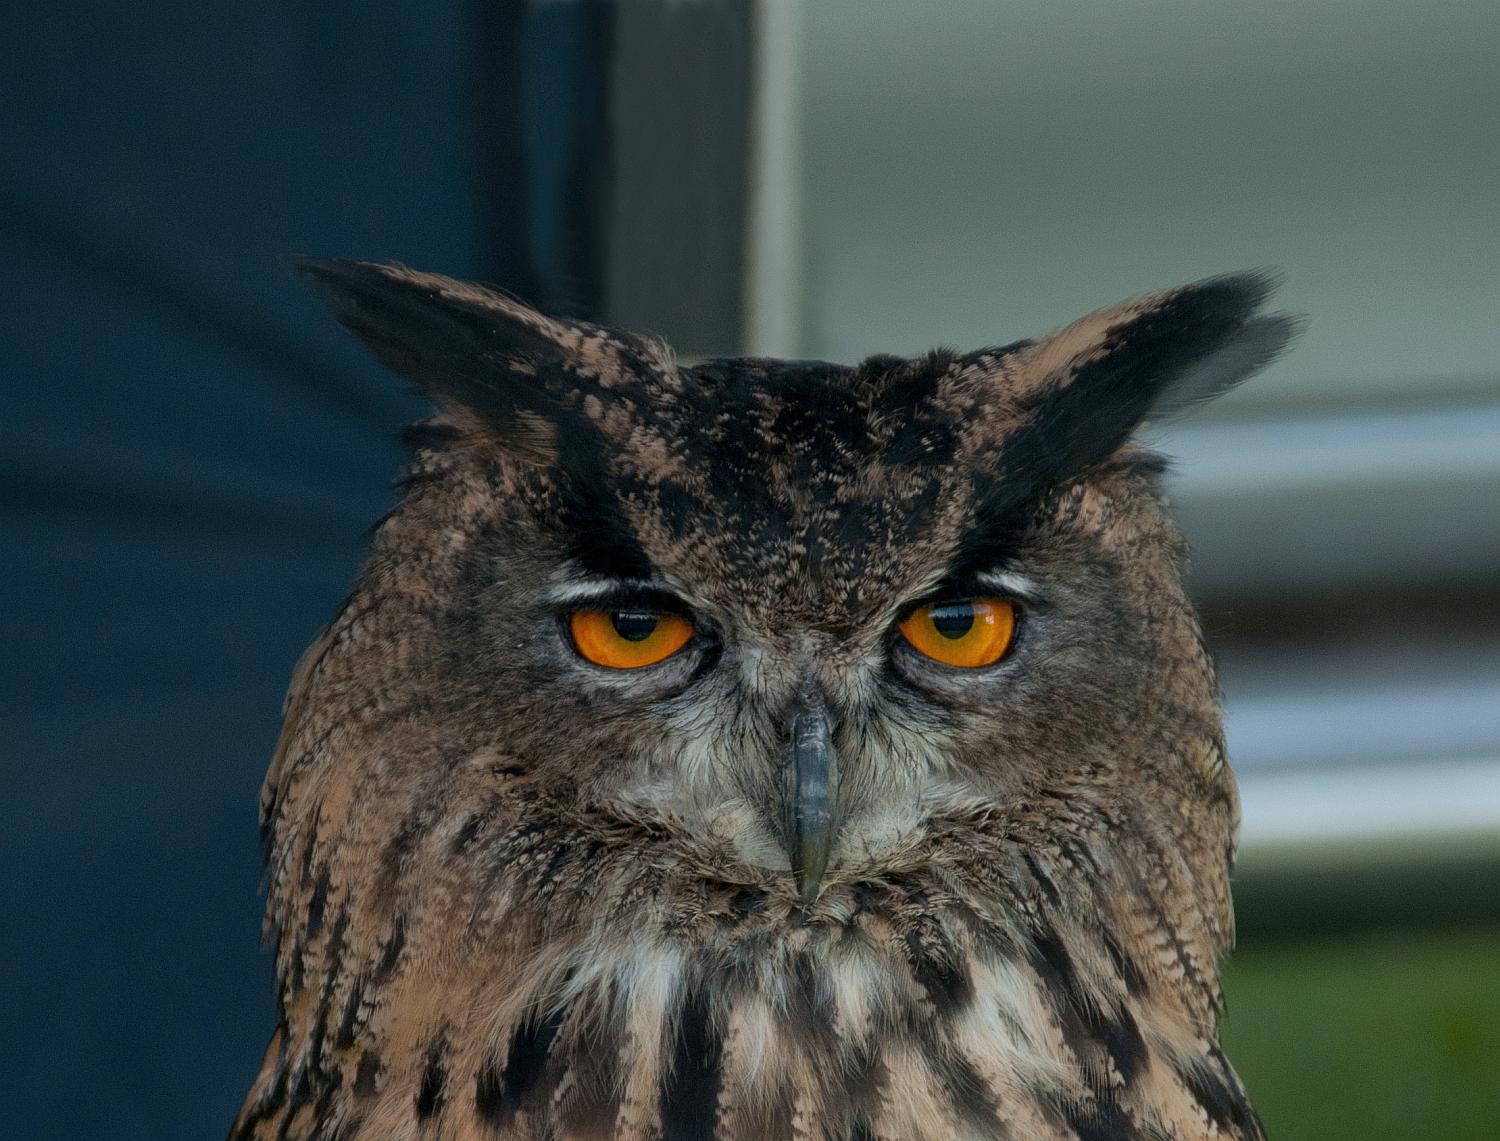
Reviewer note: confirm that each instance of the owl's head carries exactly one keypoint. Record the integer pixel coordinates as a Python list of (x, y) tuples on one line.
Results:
[(796, 615)]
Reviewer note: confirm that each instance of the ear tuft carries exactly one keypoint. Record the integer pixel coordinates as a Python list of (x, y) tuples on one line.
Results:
[(1260, 341), (1082, 392), (496, 365), (1220, 315), (432, 330)]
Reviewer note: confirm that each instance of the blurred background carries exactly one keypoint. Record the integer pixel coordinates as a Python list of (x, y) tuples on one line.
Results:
[(191, 452)]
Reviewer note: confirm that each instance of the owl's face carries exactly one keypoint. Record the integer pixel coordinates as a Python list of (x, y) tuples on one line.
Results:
[(791, 614)]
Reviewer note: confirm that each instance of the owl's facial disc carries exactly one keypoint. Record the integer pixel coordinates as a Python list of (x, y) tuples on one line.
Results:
[(811, 751)]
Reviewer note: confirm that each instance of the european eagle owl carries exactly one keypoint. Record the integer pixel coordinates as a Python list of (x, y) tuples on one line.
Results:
[(761, 748)]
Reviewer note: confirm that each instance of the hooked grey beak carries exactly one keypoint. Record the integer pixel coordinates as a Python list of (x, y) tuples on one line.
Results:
[(811, 794)]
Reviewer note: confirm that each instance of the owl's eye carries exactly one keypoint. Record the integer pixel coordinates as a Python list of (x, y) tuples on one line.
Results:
[(968, 633), (628, 639)]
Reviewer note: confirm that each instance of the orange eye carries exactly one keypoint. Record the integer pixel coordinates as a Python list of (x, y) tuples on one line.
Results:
[(968, 634), (628, 639)]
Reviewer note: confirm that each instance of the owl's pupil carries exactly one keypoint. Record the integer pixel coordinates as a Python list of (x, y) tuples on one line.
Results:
[(634, 625), (954, 619)]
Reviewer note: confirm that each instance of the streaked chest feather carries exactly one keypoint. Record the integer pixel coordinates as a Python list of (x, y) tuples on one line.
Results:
[(893, 1010)]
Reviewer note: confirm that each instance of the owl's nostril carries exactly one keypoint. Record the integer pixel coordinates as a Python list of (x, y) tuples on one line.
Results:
[(810, 791)]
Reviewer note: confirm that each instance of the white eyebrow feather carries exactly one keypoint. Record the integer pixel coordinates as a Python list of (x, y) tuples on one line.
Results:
[(579, 592), (1008, 582), (565, 594)]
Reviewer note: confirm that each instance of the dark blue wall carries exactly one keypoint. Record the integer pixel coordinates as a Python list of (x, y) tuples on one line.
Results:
[(190, 455)]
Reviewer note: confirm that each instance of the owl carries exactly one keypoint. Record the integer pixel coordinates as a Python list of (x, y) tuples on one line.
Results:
[(761, 749)]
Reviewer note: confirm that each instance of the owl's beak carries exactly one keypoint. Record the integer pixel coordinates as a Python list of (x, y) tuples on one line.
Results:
[(811, 792)]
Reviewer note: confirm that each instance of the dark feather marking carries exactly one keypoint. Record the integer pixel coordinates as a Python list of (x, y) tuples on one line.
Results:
[(1221, 1097), (677, 508), (365, 1074), (283, 1081), (1095, 1120), (393, 855), (428, 435), (1122, 1038), (810, 1012), (309, 848), (690, 1092), (489, 1095), (866, 1076), (315, 909), (500, 1093), (434, 1077), (338, 936), (332, 971), (391, 955), (971, 1096), (1042, 879), (1049, 958), (1002, 513), (869, 897), (301, 1094), (938, 969), (596, 530), (561, 856), (747, 903), (1130, 974), (470, 829), (988, 935), (518, 846), (1092, 1122), (349, 1020), (1083, 1022), (921, 443)]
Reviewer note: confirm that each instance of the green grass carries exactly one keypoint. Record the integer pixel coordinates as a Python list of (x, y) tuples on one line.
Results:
[(1370, 1035)]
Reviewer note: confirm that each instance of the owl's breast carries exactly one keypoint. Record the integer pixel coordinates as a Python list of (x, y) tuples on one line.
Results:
[(882, 1013), (565, 977)]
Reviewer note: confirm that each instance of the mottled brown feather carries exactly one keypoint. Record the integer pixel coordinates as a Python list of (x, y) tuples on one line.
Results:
[(512, 898)]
